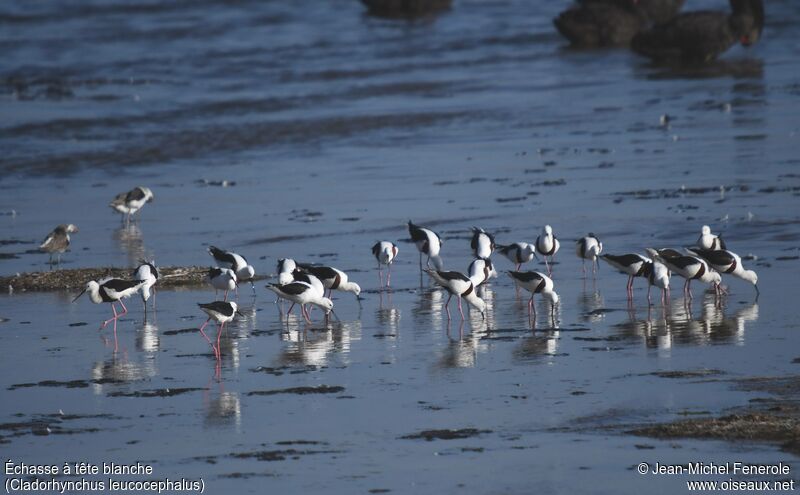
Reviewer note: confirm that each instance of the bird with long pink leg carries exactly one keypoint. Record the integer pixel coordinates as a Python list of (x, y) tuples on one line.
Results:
[(458, 284), (111, 290), (385, 252), (536, 283), (222, 312)]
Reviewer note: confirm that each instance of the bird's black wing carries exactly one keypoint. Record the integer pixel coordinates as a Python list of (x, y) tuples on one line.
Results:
[(135, 194), (119, 285), (417, 234), (293, 288), (221, 307), (453, 276)]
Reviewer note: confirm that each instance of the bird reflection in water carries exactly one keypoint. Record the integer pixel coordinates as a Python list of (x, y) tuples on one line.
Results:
[(119, 370), (387, 314), (314, 347), (591, 304), (147, 338), (675, 324), (542, 345), (130, 241), (462, 352), (428, 309), (222, 408)]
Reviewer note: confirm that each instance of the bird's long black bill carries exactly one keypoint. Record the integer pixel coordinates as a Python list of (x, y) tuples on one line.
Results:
[(335, 315), (79, 295)]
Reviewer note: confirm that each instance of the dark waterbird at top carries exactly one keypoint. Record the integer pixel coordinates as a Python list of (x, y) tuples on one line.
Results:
[(406, 8), (597, 23), (703, 35)]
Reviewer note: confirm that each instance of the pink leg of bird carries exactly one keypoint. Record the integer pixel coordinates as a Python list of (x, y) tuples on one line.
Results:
[(648, 294), (218, 350), (459, 309), (290, 310), (225, 296), (380, 276), (124, 309), (206, 336), (305, 313), (116, 343), (389, 276), (447, 306), (546, 265), (114, 319)]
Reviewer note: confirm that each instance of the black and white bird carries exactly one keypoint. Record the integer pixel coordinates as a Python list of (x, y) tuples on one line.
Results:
[(633, 265), (128, 203), (707, 240), (692, 268), (222, 312), (517, 253), (236, 262), (385, 252), (302, 293), (285, 268), (111, 290), (300, 276), (222, 279), (727, 262), (428, 242), (332, 279), (57, 241), (536, 283), (458, 284), (148, 273), (482, 243), (589, 248), (481, 270), (547, 245), (657, 275)]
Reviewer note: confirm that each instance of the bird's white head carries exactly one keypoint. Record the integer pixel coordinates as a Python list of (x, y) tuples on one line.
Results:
[(706, 230), (548, 230), (148, 194), (354, 288), (286, 265), (325, 304), (750, 276), (716, 278), (551, 296), (93, 288), (71, 228)]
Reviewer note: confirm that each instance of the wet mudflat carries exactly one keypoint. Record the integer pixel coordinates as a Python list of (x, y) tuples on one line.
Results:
[(478, 117)]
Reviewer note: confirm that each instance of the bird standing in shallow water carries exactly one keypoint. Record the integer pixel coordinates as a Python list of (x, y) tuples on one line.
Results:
[(332, 279), (128, 203), (302, 293), (222, 312), (458, 284), (385, 252), (518, 253), (701, 36), (536, 283), (729, 263), (588, 248), (57, 241), (707, 240), (482, 243), (547, 245), (148, 273), (481, 270), (428, 242), (236, 262), (692, 268), (632, 265), (111, 290), (657, 275), (222, 279)]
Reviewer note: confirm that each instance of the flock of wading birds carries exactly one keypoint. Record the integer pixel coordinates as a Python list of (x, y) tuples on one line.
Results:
[(306, 284)]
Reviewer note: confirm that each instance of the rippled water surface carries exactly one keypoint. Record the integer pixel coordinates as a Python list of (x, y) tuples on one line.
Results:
[(335, 128)]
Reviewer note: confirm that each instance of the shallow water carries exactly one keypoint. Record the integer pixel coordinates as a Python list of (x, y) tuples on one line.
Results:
[(336, 129)]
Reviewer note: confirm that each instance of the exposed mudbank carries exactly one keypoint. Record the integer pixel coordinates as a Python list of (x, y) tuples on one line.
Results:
[(76, 278)]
